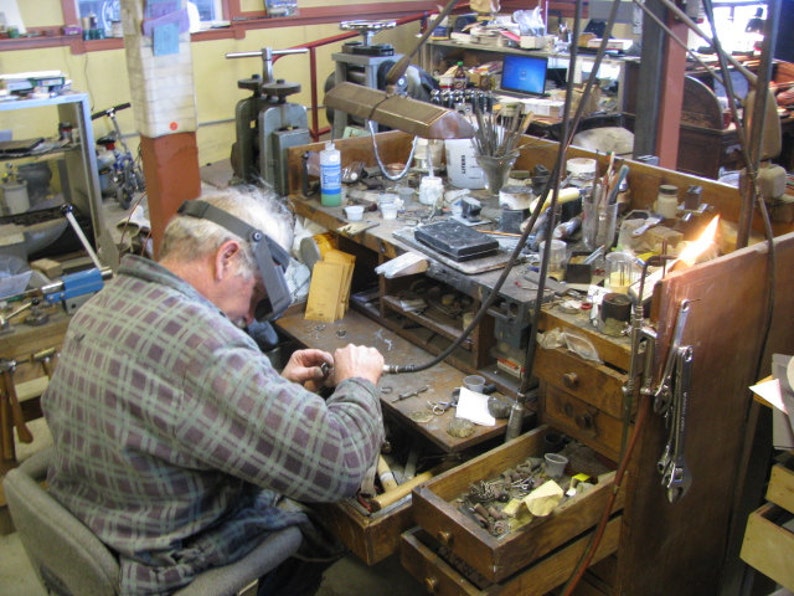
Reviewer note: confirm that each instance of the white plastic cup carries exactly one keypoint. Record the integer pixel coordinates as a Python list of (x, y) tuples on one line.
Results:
[(555, 464), (354, 212), (388, 210), (15, 198)]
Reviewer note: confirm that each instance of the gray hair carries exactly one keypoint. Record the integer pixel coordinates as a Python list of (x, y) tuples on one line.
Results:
[(187, 238)]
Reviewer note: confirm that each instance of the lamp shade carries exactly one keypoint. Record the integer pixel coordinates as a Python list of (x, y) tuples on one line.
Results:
[(409, 115)]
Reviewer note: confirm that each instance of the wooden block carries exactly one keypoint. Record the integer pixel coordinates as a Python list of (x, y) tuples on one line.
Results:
[(781, 487), (48, 267), (767, 546), (661, 235), (31, 389)]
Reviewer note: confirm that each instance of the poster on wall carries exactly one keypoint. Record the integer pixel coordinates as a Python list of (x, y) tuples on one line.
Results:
[(281, 8)]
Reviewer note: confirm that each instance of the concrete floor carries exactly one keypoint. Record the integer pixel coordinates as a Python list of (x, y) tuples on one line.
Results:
[(347, 576)]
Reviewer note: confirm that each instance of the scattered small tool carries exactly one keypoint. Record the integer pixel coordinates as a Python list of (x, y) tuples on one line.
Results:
[(439, 408), (413, 393), (648, 224), (353, 229)]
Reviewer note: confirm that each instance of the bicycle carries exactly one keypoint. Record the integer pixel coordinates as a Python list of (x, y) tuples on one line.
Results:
[(126, 173)]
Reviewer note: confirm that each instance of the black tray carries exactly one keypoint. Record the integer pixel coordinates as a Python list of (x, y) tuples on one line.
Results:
[(456, 241)]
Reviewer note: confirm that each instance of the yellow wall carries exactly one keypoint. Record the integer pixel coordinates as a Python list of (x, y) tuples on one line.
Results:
[(103, 75), (40, 13)]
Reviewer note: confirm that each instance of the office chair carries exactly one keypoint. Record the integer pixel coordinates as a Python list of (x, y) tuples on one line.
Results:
[(70, 559)]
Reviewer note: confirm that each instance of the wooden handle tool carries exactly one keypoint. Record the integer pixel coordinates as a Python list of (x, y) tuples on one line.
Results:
[(392, 496), (386, 476), (23, 432)]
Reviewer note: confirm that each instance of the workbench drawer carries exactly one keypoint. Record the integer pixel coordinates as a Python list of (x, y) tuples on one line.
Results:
[(581, 420), (443, 575), (496, 558), (592, 383), (372, 537), (769, 542), (780, 490)]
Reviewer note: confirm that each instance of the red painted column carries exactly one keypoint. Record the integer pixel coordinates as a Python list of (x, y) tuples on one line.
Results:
[(672, 88), (170, 165), (160, 67)]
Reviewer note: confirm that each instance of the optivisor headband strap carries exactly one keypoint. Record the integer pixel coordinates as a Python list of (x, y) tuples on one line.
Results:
[(271, 258)]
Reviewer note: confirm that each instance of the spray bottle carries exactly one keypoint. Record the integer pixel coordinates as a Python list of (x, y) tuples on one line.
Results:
[(330, 176)]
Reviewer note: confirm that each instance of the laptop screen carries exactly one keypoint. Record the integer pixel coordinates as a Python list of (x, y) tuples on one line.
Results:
[(524, 74)]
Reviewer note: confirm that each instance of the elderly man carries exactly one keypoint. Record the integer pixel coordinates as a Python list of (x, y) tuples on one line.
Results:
[(174, 435)]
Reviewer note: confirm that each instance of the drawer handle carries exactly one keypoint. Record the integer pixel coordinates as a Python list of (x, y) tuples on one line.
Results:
[(585, 421), (431, 584), (444, 537), (570, 380)]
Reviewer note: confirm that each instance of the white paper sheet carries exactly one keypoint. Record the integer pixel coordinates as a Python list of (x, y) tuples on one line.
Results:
[(474, 406)]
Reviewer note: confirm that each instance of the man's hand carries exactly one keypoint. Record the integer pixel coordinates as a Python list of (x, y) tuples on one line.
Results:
[(308, 365), (358, 361)]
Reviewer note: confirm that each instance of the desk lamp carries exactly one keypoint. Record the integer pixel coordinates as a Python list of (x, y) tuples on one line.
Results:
[(415, 117)]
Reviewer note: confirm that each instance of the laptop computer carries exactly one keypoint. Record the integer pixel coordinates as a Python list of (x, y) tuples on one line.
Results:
[(524, 75)]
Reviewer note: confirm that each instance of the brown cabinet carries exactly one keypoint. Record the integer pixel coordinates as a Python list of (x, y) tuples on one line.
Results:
[(584, 398)]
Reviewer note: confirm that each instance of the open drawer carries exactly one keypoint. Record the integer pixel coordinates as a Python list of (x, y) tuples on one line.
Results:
[(373, 537), (497, 558), (427, 561)]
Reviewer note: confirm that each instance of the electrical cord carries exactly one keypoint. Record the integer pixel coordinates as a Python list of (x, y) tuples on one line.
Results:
[(598, 533)]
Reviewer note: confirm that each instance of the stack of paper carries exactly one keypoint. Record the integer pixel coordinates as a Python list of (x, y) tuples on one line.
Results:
[(329, 292), (778, 392)]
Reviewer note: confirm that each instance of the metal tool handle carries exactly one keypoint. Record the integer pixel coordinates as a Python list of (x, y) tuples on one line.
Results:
[(69, 215), (266, 52), (267, 59), (662, 394)]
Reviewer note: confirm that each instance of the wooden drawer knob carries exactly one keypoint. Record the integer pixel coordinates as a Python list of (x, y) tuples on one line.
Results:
[(444, 537), (570, 380), (431, 584), (584, 421)]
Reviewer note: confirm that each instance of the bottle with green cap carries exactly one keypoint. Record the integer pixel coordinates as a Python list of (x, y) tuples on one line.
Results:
[(460, 79)]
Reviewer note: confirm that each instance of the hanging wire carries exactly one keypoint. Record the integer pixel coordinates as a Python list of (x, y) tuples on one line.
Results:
[(383, 169)]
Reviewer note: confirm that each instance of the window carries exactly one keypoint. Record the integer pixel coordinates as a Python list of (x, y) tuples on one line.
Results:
[(108, 11)]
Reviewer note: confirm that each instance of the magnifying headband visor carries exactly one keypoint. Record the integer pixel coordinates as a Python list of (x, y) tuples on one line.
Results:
[(271, 259)]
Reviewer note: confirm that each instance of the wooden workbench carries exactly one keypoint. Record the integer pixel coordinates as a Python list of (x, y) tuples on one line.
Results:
[(689, 546)]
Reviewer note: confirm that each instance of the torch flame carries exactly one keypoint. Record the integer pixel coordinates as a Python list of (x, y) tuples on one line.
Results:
[(695, 249)]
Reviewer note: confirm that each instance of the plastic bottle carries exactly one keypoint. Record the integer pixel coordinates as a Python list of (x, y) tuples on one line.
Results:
[(460, 79), (330, 176)]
